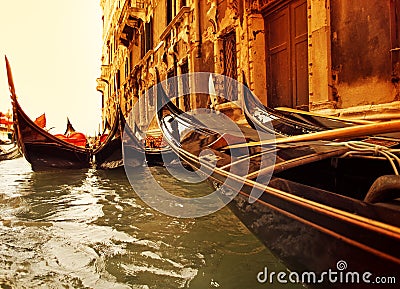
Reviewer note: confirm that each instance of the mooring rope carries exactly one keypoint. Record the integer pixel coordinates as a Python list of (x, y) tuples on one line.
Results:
[(361, 148)]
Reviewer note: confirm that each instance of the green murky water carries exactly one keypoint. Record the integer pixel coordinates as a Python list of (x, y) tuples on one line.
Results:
[(89, 229)]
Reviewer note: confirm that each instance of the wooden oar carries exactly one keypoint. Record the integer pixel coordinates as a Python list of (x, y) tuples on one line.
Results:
[(340, 133), (309, 113)]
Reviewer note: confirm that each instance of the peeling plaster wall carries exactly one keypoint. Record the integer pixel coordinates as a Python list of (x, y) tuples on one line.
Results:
[(319, 53), (256, 56), (361, 63)]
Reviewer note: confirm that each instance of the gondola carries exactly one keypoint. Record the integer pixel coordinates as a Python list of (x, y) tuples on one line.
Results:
[(9, 153), (288, 122), (324, 203), (159, 156), (318, 119), (41, 149), (164, 156), (108, 153), (123, 147)]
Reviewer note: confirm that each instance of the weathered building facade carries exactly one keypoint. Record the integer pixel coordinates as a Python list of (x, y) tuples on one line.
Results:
[(309, 54)]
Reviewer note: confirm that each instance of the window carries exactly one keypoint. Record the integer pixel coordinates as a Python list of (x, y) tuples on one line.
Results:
[(131, 60), (230, 65), (109, 52), (126, 67), (118, 79), (172, 85), (173, 7), (185, 86), (150, 95), (149, 35), (142, 41), (170, 10)]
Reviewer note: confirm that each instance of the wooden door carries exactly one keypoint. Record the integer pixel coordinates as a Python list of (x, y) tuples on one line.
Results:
[(287, 55)]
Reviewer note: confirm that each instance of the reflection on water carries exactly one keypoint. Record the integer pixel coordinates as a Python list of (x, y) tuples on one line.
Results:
[(88, 229)]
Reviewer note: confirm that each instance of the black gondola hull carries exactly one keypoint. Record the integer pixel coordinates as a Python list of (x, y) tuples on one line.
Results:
[(309, 228), (43, 150), (314, 239), (306, 245), (44, 156), (297, 225), (160, 157), (110, 156)]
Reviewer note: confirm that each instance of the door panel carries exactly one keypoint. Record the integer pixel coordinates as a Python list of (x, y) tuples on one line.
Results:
[(278, 82), (299, 18), (279, 26), (280, 87), (287, 55), (300, 54)]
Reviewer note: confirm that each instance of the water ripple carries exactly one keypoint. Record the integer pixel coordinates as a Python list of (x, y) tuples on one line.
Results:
[(88, 229)]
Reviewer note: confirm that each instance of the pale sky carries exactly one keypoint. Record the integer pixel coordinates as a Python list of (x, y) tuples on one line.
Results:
[(54, 48)]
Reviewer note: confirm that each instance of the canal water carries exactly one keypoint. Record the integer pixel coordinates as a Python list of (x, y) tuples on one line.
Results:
[(89, 229)]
